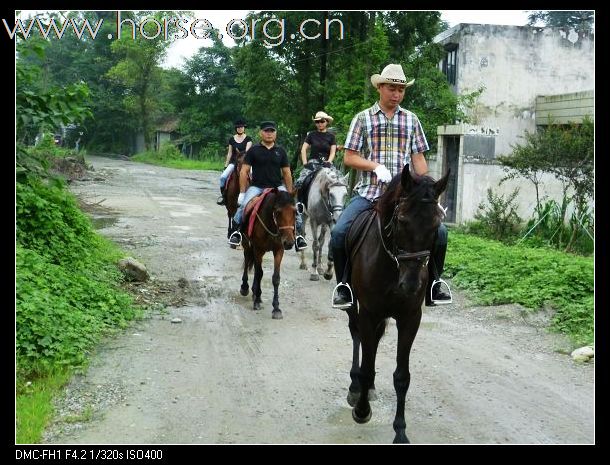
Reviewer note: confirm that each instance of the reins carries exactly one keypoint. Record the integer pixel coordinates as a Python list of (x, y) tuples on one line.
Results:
[(272, 234)]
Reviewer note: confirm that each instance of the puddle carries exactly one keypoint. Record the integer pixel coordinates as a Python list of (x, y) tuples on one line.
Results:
[(102, 222)]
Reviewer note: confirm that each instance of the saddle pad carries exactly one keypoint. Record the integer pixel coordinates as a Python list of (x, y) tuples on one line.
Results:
[(253, 206)]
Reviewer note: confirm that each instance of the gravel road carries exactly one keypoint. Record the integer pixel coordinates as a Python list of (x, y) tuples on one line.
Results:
[(227, 374)]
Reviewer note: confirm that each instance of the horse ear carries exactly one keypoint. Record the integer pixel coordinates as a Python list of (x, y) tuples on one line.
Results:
[(405, 178), (441, 184)]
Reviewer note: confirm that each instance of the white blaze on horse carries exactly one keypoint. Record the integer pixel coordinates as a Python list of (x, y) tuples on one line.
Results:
[(325, 201)]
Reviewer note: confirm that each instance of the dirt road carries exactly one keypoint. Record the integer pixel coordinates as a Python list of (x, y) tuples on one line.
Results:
[(227, 374)]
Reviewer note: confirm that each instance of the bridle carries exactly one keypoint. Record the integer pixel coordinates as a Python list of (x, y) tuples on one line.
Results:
[(396, 253), (279, 228), (330, 208)]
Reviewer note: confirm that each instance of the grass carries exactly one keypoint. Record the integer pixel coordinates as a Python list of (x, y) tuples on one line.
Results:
[(34, 405), (182, 164)]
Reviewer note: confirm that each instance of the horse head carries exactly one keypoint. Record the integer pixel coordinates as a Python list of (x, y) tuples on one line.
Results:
[(410, 214), (334, 189), (284, 216)]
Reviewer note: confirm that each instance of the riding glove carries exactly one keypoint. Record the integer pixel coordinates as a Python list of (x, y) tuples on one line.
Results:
[(383, 174), (240, 198)]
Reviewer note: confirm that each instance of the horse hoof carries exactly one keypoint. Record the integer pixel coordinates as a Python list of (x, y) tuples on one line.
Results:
[(277, 315), (243, 291), (303, 266), (328, 276), (314, 277), (359, 419), (372, 394), (257, 306), (401, 438), (352, 398)]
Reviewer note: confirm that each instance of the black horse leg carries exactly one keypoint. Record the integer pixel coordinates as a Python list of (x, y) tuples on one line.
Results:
[(361, 413), (256, 282), (275, 279), (407, 329), (379, 331), (354, 388)]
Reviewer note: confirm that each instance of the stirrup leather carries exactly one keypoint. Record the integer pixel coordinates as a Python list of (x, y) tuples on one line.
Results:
[(351, 295), (440, 302)]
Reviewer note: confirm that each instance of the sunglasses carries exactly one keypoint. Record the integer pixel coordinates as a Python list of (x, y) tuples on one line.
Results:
[(321, 121)]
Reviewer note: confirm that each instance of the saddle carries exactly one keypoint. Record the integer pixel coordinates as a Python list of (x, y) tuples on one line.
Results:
[(355, 236), (303, 192), (251, 209)]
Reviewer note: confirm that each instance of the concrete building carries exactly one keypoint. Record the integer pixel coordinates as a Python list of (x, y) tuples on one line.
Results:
[(528, 75)]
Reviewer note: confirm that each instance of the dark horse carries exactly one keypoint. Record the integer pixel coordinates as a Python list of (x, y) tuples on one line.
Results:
[(388, 255), (274, 230), (232, 188)]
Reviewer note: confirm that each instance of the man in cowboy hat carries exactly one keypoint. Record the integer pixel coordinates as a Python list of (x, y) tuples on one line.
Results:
[(271, 166), (381, 140)]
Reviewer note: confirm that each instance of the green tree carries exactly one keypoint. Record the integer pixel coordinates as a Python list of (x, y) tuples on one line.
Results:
[(565, 152), (38, 111), (582, 21), (138, 69)]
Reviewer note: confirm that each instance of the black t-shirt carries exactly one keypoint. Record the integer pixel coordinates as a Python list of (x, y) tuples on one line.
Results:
[(320, 143), (241, 146), (266, 165)]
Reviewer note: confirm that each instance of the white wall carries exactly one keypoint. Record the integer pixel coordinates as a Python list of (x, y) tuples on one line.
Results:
[(516, 64)]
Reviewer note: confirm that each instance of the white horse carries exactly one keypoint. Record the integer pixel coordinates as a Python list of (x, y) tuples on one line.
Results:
[(325, 202)]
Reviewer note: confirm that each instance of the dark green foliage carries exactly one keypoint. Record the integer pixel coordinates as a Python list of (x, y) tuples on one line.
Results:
[(66, 295), (495, 273), (582, 21), (50, 223), (567, 153), (498, 219), (61, 311)]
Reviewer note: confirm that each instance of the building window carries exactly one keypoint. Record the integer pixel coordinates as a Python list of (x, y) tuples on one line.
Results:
[(450, 63)]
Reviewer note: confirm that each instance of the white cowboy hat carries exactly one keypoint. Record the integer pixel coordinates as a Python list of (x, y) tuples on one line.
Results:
[(391, 74), (321, 115)]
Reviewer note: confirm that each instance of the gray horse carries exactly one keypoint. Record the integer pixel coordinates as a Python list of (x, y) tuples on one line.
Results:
[(325, 201)]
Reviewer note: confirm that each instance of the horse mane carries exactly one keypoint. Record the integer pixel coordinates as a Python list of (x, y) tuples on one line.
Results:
[(283, 198)]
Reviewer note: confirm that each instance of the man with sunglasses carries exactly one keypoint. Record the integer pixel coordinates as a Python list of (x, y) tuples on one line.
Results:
[(269, 163)]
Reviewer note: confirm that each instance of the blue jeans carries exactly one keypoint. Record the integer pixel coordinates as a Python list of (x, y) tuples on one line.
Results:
[(225, 174), (252, 192)]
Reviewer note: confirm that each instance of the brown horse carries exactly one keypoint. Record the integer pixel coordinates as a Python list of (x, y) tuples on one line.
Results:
[(232, 188), (389, 253), (274, 230)]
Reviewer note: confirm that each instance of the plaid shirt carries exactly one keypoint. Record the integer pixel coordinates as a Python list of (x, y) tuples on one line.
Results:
[(385, 141)]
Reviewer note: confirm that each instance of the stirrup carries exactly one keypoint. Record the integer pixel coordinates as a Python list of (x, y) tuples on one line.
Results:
[(300, 207), (296, 242), (440, 302), (232, 244), (345, 305)]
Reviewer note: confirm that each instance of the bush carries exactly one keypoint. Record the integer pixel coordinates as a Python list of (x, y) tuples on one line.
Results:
[(50, 223), (499, 219)]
